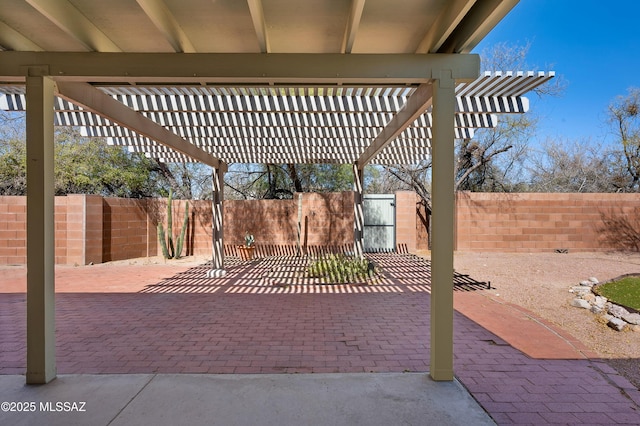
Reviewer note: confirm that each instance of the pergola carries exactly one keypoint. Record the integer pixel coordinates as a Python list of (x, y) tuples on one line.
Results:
[(262, 81)]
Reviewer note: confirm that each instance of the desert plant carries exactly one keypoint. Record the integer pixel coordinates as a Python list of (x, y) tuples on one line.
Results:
[(342, 269), (166, 240), (249, 240)]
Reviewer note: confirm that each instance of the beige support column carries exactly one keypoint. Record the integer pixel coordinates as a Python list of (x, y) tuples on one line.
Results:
[(442, 240), (358, 215), (217, 225), (41, 344)]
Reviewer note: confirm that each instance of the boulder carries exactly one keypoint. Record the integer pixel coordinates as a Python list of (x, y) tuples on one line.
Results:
[(580, 303), (617, 311), (617, 324), (589, 297), (595, 309), (594, 280), (586, 283), (600, 301), (632, 319), (579, 290)]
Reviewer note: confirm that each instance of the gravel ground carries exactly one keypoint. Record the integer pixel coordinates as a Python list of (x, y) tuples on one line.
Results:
[(540, 282)]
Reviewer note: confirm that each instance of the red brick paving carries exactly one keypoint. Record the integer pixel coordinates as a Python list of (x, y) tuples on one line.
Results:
[(189, 325)]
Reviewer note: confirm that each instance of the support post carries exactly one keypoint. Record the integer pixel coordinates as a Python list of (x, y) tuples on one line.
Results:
[(358, 214), (41, 344), (217, 220), (443, 207)]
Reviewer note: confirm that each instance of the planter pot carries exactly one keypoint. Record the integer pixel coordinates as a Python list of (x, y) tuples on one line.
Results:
[(246, 253)]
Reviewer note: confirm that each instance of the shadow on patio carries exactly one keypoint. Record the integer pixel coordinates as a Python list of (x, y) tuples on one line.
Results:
[(286, 275)]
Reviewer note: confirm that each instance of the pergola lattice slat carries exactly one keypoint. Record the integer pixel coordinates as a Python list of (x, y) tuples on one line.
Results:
[(320, 124)]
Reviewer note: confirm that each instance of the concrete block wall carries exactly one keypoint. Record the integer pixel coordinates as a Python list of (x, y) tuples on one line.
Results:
[(13, 230), (326, 219), (406, 220), (269, 221), (128, 231), (533, 222), (95, 229)]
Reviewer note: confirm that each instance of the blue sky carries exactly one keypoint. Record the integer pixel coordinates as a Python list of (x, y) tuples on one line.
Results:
[(594, 45)]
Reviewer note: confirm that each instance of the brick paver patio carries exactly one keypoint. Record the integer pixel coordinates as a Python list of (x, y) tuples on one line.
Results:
[(251, 321)]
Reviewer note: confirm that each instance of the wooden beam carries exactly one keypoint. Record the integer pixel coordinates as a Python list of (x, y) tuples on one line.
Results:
[(163, 19), (257, 16), (416, 105), (73, 22), (100, 103), (12, 39), (242, 68), (357, 6), (476, 24), (450, 17)]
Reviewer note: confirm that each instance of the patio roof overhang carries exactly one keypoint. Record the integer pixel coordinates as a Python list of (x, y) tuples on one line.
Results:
[(104, 56)]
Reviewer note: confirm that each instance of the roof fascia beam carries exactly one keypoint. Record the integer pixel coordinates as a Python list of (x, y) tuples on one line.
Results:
[(242, 68), (259, 24), (416, 105), (450, 17), (163, 19), (73, 22), (477, 23), (100, 103), (357, 6)]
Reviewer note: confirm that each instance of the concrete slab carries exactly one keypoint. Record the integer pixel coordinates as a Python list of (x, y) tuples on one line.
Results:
[(262, 399), (68, 400)]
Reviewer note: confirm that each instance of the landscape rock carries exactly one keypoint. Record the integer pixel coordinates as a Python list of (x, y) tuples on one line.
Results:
[(632, 319), (617, 324), (579, 290), (615, 316), (600, 301), (580, 303), (617, 311)]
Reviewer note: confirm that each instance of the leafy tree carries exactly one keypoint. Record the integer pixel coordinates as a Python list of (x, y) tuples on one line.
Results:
[(82, 165), (89, 166)]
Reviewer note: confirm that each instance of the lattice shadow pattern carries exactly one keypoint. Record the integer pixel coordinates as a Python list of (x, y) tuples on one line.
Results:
[(398, 273)]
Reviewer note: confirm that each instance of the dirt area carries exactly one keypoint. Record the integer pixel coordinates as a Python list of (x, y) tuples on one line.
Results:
[(540, 282)]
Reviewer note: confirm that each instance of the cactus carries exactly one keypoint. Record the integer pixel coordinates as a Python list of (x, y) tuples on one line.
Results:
[(183, 231), (166, 240), (163, 241), (248, 240)]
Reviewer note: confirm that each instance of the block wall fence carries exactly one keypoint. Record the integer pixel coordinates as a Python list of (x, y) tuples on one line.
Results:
[(536, 222), (91, 228)]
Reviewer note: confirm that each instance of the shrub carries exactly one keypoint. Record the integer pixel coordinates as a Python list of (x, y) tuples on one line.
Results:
[(341, 269)]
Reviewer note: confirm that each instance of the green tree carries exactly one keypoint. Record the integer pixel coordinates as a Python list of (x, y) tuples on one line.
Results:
[(82, 165)]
